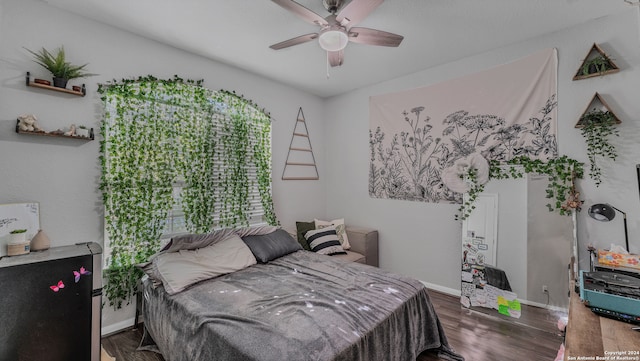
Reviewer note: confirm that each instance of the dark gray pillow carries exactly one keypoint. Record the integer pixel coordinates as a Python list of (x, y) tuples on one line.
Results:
[(302, 228), (270, 246)]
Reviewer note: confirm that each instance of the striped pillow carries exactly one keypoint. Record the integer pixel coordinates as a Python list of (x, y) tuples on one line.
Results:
[(324, 241)]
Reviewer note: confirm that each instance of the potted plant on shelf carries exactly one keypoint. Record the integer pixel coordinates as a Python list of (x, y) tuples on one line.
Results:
[(597, 126), (599, 64), (57, 65)]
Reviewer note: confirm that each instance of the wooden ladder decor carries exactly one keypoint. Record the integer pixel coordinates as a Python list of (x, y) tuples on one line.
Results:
[(300, 163)]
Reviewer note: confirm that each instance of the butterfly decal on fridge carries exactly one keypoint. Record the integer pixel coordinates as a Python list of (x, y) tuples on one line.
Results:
[(76, 277), (82, 272), (57, 287)]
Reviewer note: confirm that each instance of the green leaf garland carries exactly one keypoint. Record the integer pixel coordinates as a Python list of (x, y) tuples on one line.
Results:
[(159, 133), (562, 172)]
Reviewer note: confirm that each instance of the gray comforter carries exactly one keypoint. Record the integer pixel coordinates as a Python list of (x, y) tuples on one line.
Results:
[(302, 306)]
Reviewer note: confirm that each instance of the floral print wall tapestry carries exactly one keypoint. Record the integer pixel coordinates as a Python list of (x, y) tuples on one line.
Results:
[(422, 140)]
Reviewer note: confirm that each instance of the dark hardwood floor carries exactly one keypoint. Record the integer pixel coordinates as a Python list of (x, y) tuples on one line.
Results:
[(476, 336), (481, 337)]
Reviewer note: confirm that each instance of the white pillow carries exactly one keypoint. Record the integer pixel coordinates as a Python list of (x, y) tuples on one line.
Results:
[(178, 270), (341, 230)]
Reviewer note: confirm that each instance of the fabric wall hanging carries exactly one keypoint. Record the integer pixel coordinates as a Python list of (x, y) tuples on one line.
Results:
[(423, 140)]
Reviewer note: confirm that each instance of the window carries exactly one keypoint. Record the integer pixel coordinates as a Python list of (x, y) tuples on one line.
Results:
[(178, 158)]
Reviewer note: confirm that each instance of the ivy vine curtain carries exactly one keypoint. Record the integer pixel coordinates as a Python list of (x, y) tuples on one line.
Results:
[(174, 145), (497, 114)]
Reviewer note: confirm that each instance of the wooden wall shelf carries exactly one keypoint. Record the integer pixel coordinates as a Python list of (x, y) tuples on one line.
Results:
[(55, 135), (597, 102), (596, 51), (80, 93)]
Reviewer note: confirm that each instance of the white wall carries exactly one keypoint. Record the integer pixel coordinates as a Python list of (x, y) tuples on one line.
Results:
[(63, 174), (422, 239), (549, 244)]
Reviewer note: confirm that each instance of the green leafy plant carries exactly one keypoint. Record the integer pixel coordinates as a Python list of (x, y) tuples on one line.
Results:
[(469, 199), (599, 64), (561, 171), (57, 64), (18, 231), (161, 133), (597, 127)]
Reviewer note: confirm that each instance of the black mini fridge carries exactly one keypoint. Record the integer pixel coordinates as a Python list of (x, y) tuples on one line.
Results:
[(50, 304)]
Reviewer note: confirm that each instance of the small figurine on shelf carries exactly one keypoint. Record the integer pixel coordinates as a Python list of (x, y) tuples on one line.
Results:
[(72, 131), (82, 131), (29, 123)]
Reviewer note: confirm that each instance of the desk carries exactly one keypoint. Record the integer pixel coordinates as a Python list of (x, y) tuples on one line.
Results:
[(589, 335)]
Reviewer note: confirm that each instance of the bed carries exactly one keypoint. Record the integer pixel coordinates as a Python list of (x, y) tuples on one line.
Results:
[(292, 305)]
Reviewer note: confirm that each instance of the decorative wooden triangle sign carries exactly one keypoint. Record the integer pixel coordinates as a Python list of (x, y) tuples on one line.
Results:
[(300, 163)]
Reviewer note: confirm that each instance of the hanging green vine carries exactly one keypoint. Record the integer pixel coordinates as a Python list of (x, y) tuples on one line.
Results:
[(159, 134), (597, 126), (136, 186), (561, 172), (197, 161), (469, 199)]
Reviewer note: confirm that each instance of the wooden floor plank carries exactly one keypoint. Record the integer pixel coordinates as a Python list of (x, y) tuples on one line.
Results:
[(476, 336)]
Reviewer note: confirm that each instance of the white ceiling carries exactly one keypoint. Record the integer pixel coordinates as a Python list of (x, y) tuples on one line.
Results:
[(239, 32)]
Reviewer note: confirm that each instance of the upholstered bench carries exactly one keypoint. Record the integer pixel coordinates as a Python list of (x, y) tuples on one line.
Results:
[(364, 246)]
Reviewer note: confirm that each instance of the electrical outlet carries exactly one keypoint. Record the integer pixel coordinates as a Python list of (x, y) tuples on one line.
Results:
[(545, 289)]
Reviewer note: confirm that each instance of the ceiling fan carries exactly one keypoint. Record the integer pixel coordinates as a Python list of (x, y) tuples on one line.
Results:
[(337, 29)]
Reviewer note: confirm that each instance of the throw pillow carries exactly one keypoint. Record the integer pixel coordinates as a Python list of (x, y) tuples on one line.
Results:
[(302, 228), (194, 241), (341, 230), (270, 246), (324, 241), (179, 270)]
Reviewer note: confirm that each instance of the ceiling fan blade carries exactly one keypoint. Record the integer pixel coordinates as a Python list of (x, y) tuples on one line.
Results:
[(355, 11), (302, 12), (294, 41), (374, 37), (336, 58)]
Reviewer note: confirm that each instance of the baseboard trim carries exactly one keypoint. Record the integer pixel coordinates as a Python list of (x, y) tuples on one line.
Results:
[(542, 305), (458, 293), (116, 327), (447, 290)]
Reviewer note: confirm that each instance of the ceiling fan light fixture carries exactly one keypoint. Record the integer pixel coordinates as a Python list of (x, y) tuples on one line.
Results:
[(333, 39)]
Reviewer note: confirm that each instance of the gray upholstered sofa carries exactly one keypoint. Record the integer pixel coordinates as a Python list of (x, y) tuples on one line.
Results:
[(364, 246)]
